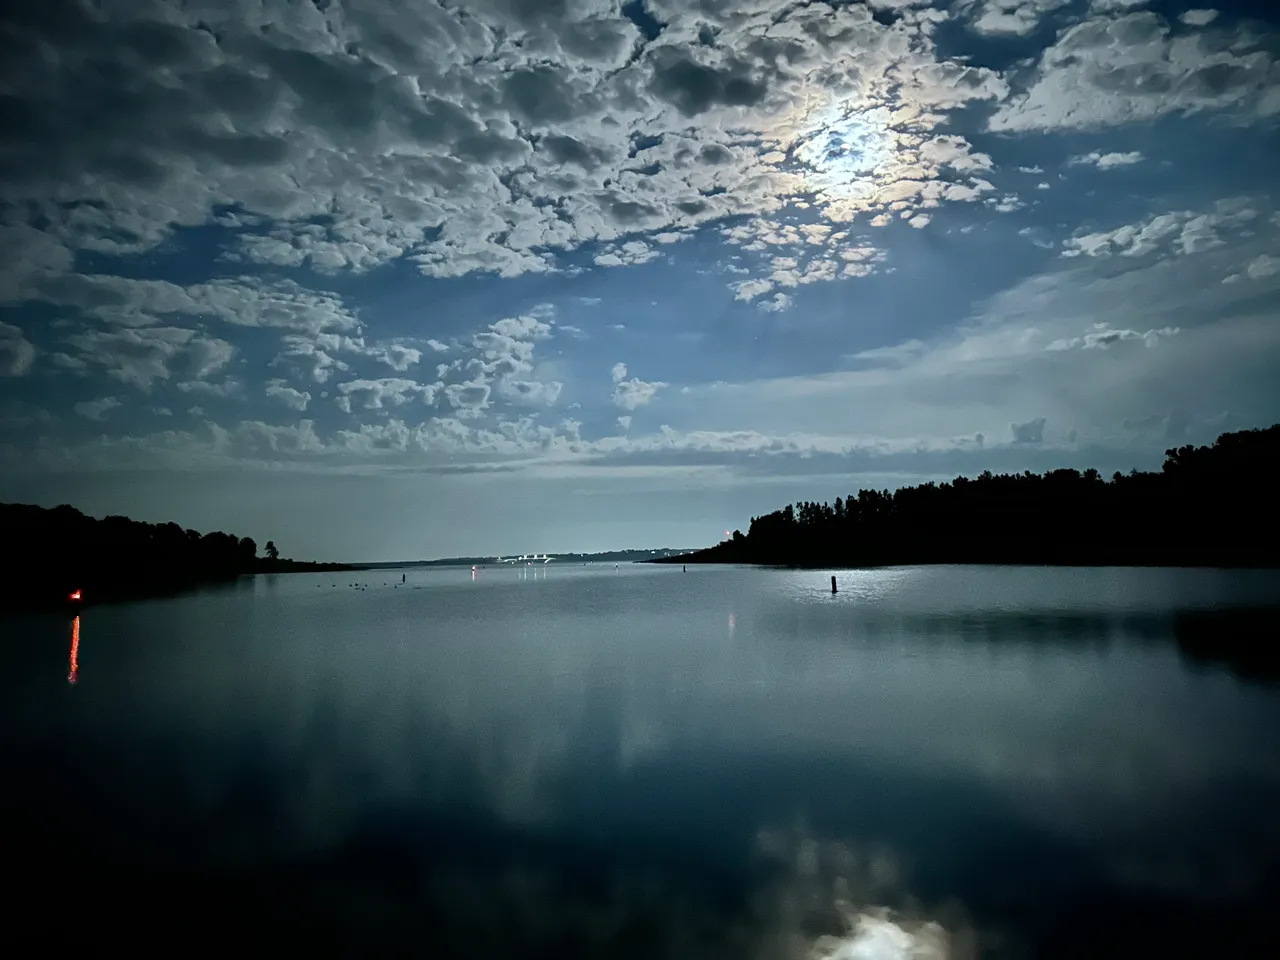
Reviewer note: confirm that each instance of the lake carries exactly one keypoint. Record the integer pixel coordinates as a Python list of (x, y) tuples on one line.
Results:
[(640, 762)]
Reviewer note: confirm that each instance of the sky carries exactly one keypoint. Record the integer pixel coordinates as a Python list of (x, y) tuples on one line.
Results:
[(406, 280)]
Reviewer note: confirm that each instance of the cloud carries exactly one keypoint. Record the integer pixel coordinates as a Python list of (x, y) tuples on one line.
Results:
[(1108, 71), (1106, 161), (96, 409), (522, 328), (26, 255), (1199, 18), (750, 289), (17, 353), (900, 353), (289, 396), (1116, 6), (397, 356), (1015, 18), (530, 392), (780, 302), (1103, 337), (1177, 232), (624, 423), (1259, 268), (203, 388), (469, 399), (241, 302), (393, 391), (627, 254), (1030, 432), (633, 393), (317, 355), (343, 136), (141, 356)]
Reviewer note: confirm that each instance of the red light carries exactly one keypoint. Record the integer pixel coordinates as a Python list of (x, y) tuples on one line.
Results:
[(75, 651), (75, 595)]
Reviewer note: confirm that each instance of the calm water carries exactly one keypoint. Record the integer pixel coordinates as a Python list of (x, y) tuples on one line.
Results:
[(640, 762)]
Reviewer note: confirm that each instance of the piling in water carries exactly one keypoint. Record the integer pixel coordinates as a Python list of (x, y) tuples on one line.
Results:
[(833, 583)]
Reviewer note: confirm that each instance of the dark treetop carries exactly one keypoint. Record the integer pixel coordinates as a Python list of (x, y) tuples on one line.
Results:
[(55, 552), (1208, 506)]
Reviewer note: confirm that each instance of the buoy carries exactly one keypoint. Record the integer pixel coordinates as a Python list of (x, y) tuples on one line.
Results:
[(833, 583)]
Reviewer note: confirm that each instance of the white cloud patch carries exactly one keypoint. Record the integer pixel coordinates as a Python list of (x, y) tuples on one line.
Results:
[(97, 409), (530, 392), (397, 356), (387, 391), (1013, 18), (1199, 18), (1130, 68), (291, 397), (1106, 161), (1259, 268), (1178, 232), (632, 393), (522, 328), (469, 399), (630, 253), (1103, 336), (750, 289), (141, 356), (778, 303)]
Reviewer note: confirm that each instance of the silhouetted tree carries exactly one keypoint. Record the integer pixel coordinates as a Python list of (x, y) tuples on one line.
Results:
[(61, 550), (272, 552), (1211, 505)]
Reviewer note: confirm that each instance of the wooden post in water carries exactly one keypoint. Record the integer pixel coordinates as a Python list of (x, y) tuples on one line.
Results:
[(833, 583)]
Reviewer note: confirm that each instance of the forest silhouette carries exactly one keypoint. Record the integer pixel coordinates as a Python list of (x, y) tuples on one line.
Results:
[(58, 551), (1208, 506)]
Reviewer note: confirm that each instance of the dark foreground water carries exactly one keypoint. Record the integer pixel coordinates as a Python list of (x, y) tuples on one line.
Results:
[(564, 762)]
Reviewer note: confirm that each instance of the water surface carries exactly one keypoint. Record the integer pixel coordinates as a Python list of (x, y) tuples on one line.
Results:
[(589, 761)]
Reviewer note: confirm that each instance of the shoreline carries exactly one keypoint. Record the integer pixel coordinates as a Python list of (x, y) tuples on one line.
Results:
[(95, 595)]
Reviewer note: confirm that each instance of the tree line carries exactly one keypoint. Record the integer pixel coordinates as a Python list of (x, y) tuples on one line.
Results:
[(1210, 505), (54, 552)]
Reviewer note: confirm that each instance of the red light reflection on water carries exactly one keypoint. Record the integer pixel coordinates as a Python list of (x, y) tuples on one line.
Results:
[(75, 651)]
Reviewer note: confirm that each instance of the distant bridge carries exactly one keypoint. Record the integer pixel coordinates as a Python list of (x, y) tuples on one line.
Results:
[(526, 558)]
